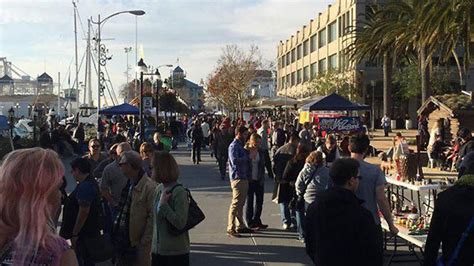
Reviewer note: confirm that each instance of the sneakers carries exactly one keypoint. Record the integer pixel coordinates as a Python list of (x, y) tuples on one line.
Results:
[(259, 226), (232, 233), (286, 227)]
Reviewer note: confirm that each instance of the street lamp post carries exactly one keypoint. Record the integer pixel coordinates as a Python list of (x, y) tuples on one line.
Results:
[(373, 83), (102, 60), (142, 68)]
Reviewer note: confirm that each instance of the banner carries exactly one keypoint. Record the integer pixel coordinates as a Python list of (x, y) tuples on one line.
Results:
[(340, 124)]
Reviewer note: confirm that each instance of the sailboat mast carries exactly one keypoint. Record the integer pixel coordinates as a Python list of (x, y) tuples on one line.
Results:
[(75, 46), (89, 66)]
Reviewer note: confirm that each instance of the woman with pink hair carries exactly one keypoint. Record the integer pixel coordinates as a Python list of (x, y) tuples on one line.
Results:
[(30, 198)]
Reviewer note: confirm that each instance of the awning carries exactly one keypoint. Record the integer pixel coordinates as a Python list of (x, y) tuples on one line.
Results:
[(122, 109), (333, 102)]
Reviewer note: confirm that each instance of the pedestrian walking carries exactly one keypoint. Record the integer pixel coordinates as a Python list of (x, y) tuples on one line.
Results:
[(305, 135), (371, 188), (95, 155), (132, 232), (386, 123), (146, 153), (197, 139), (171, 206), (26, 236), (222, 139), (239, 165), (312, 180), (256, 190), (263, 132), (330, 150)]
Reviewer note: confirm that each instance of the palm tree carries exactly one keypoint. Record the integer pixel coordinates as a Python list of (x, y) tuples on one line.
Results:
[(369, 42)]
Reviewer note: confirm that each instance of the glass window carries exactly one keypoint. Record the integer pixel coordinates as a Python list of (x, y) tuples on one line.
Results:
[(299, 51), (305, 74), (322, 38), (299, 76), (322, 66), (332, 61), (287, 81), (283, 80), (293, 55), (293, 79), (314, 43), (306, 48), (332, 32), (314, 70), (288, 58)]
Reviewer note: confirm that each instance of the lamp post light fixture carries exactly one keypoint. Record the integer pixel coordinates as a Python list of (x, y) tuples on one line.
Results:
[(35, 118), (142, 68), (373, 83), (102, 58)]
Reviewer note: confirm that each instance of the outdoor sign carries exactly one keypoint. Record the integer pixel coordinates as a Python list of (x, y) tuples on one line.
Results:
[(147, 102), (340, 124)]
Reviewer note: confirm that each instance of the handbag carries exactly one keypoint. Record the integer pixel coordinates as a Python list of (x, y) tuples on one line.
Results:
[(195, 215), (454, 256)]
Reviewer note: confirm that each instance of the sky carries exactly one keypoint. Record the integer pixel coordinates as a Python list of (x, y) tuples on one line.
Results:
[(38, 35)]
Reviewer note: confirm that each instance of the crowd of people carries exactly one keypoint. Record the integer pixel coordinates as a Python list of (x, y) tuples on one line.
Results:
[(128, 199)]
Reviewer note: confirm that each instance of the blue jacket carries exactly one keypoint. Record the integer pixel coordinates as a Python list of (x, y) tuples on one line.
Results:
[(239, 161)]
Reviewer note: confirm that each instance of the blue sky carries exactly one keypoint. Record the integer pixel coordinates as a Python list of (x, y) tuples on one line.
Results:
[(37, 35)]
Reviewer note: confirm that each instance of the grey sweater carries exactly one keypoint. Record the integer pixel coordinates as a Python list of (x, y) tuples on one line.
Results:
[(319, 182)]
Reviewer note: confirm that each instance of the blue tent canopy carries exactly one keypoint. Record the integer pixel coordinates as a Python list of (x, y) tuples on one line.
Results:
[(122, 109), (333, 102)]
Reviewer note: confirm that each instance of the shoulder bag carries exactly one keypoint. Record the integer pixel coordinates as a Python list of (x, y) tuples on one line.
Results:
[(454, 256), (195, 215)]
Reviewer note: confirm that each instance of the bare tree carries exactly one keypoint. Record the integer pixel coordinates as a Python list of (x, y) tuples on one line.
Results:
[(229, 82)]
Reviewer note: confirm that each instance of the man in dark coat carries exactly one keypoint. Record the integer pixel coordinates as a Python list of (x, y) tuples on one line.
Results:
[(340, 231), (197, 138), (454, 210), (222, 139), (467, 144)]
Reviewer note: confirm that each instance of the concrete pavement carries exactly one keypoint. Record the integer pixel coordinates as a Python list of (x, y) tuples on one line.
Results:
[(211, 245)]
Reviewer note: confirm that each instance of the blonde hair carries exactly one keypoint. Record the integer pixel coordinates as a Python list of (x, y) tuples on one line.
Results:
[(252, 141), (144, 148), (165, 167), (28, 200)]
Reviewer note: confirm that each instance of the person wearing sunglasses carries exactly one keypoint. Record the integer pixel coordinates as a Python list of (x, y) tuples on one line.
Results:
[(95, 155), (339, 230)]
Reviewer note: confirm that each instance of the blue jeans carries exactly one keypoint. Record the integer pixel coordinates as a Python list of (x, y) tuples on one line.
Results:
[(287, 214), (253, 217), (300, 218)]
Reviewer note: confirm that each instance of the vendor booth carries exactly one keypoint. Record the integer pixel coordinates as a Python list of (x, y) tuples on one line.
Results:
[(332, 113)]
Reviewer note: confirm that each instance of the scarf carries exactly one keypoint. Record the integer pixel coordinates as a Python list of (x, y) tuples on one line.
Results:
[(465, 180)]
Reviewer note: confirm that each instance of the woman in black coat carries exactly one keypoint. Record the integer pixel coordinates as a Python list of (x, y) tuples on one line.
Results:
[(454, 211), (286, 190)]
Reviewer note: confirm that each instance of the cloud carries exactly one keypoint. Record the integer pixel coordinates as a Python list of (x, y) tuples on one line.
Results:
[(34, 32)]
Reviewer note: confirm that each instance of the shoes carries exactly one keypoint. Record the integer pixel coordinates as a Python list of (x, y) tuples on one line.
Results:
[(301, 239), (259, 226), (286, 227), (245, 230), (232, 233)]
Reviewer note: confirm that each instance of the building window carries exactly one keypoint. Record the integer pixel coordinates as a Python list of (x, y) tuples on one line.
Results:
[(314, 70), (332, 61), (283, 61), (293, 79), (322, 66), (288, 58), (287, 81), (332, 32), (283, 80), (293, 55), (299, 76), (306, 48), (322, 38), (299, 51), (314, 43), (305, 74)]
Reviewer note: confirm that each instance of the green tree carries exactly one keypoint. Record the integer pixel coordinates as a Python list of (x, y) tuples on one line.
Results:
[(329, 82)]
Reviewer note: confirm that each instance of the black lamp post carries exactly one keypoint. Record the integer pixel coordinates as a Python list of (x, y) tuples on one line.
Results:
[(35, 118), (11, 117), (141, 67), (157, 96)]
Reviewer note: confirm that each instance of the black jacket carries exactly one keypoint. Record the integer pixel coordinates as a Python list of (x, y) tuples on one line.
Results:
[(453, 212), (340, 231), (464, 150)]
